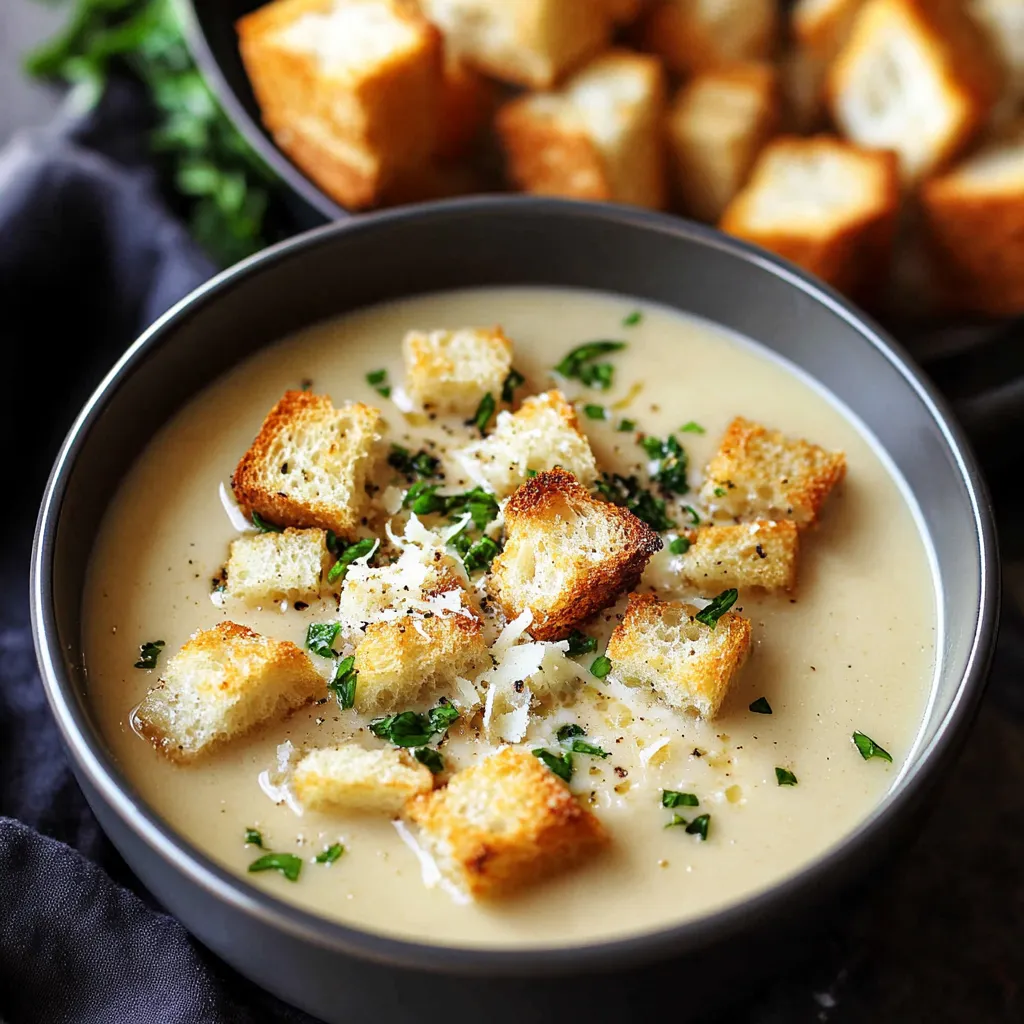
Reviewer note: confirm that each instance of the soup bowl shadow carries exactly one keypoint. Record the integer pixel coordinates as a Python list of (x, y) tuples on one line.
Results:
[(341, 973)]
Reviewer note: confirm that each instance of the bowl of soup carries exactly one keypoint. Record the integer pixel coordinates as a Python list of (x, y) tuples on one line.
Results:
[(490, 593)]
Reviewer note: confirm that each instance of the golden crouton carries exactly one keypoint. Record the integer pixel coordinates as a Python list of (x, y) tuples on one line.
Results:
[(914, 76), (759, 473), (567, 555), (544, 433), (1003, 22), (467, 99), (504, 823), (526, 42), (308, 463), (718, 124), (351, 778), (599, 137), (695, 35), (760, 554), (409, 659), (974, 228), (286, 566), (348, 88), (823, 25), (450, 371), (688, 664), (224, 682), (824, 204)]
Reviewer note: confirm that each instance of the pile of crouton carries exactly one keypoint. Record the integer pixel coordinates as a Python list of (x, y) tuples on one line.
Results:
[(878, 144), (434, 643)]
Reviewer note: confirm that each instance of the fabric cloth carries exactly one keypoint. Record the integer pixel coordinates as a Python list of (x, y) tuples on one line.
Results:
[(89, 256)]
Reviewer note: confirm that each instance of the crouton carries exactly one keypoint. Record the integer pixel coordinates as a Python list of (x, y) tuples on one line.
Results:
[(286, 566), (544, 433), (467, 99), (223, 683), (567, 555), (914, 76), (687, 663), (761, 554), (308, 463), (350, 778), (759, 473), (599, 137), (526, 42), (504, 823), (718, 124), (1003, 22), (695, 35), (622, 12), (409, 659), (450, 371), (974, 228), (823, 25), (348, 88), (824, 204)]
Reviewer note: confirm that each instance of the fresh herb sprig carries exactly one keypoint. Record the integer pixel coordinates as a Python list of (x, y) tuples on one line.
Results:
[(344, 683), (148, 653), (420, 464), (717, 608), (672, 463), (347, 554), (868, 748), (579, 364), (627, 492), (412, 729)]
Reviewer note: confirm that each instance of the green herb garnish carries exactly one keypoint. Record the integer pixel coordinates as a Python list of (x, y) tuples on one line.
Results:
[(626, 426), (320, 636), (627, 492), (761, 706), (784, 777), (580, 643), (595, 412), (692, 513), (692, 428), (676, 819), (287, 863), (334, 545), (481, 554), (360, 549), (431, 758), (718, 607), (699, 826), (579, 746), (869, 748), (672, 463), (567, 731), (378, 380), (343, 685), (411, 729), (148, 653), (420, 464), (560, 764), (579, 364), (719, 492), (331, 854), (679, 545), (483, 414), (673, 798), (253, 837), (509, 385), (262, 525), (633, 319), (601, 666)]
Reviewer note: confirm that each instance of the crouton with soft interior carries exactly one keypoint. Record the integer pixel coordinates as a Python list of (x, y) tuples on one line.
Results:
[(308, 464), (567, 555), (918, 77), (223, 683), (504, 823), (467, 100), (348, 88), (451, 371), (542, 434), (761, 554), (525, 42), (761, 474), (599, 137), (350, 778), (825, 204), (719, 122), (1003, 21), (974, 227), (695, 35), (287, 566), (823, 25), (688, 664)]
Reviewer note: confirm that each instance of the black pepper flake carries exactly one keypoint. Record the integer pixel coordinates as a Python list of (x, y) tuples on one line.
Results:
[(760, 551), (300, 606), (518, 686), (620, 771), (697, 752)]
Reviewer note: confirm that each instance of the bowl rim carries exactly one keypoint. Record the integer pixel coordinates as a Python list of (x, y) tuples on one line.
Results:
[(97, 765)]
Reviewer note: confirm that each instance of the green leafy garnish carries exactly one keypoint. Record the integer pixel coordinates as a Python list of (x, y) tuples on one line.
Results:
[(626, 426), (784, 777), (378, 380), (481, 554), (718, 607), (287, 863), (580, 643), (331, 854), (509, 385), (679, 545), (595, 412), (360, 549), (869, 748), (761, 706), (676, 819), (627, 492), (320, 636), (343, 685), (148, 653), (579, 364), (579, 746), (692, 513), (481, 505), (431, 758), (567, 731), (601, 666), (672, 463), (692, 428), (699, 826), (560, 764), (719, 492), (673, 798), (420, 464), (483, 414), (262, 525), (411, 729), (633, 319), (334, 545), (253, 837)]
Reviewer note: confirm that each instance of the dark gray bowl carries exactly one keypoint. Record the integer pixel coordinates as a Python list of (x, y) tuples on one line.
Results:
[(342, 973)]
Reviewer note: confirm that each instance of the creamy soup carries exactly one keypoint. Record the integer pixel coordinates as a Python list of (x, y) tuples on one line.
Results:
[(852, 649)]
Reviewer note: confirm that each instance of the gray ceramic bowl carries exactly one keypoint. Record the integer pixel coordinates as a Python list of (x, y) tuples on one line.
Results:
[(342, 973)]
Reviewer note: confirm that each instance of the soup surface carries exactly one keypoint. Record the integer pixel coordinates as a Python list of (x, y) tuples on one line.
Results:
[(853, 649)]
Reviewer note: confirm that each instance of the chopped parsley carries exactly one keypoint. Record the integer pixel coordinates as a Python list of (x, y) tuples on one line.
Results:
[(262, 525), (784, 777), (511, 382), (320, 636), (719, 492), (761, 706), (595, 412), (483, 414), (411, 729), (481, 554), (699, 826), (679, 545), (378, 380), (287, 863), (580, 643), (334, 545), (673, 798), (692, 513), (869, 748), (676, 819), (601, 666), (718, 607), (626, 426), (567, 731), (331, 854), (343, 685), (410, 465), (560, 764), (579, 364), (579, 746), (481, 505), (424, 500), (253, 837), (627, 492), (692, 428), (431, 758), (148, 653), (672, 463), (633, 319), (349, 554)]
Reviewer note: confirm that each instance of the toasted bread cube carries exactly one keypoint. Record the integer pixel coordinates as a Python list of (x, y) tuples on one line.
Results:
[(544, 433), (599, 137), (914, 76), (567, 555), (761, 554), (1003, 21), (759, 473), (348, 88), (823, 25), (286, 566), (719, 122), (695, 35), (974, 227), (412, 658), (526, 42), (687, 663), (824, 204), (308, 464), (467, 100), (504, 823), (450, 371), (622, 12), (223, 683), (351, 778)]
